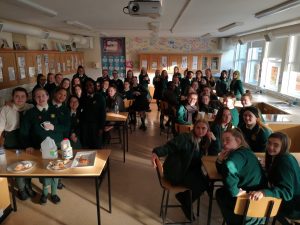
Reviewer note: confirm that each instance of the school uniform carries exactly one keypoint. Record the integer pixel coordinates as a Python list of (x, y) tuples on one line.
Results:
[(112, 101), (63, 114), (186, 114), (10, 117), (118, 83), (221, 87), (185, 84), (50, 88), (241, 118), (235, 117), (83, 78), (33, 134), (284, 179), (242, 170), (206, 108), (216, 145), (92, 120), (75, 128), (183, 164), (256, 137), (236, 87), (127, 94)]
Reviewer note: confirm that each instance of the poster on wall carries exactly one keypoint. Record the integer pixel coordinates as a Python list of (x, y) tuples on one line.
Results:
[(195, 63), (113, 55), (144, 64), (274, 74), (184, 62), (11, 73), (164, 61)]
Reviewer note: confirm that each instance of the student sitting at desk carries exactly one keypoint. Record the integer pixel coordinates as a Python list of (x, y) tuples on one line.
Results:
[(10, 117), (254, 131), (222, 123), (188, 111), (284, 177), (40, 122), (229, 101), (241, 172), (114, 101), (205, 105), (183, 163)]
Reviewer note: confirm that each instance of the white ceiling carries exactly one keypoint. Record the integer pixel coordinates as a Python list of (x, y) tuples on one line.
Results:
[(106, 17)]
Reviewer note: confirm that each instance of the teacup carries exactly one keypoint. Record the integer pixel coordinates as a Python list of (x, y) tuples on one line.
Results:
[(44, 124)]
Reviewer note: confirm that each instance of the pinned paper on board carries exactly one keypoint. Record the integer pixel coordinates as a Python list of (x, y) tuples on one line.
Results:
[(195, 63), (144, 63), (164, 61), (184, 62), (31, 71), (11, 73)]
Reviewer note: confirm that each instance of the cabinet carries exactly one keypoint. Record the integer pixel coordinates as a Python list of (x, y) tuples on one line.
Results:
[(5, 206), (165, 61), (22, 67)]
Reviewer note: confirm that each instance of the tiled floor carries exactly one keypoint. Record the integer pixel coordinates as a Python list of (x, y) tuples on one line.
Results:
[(136, 193)]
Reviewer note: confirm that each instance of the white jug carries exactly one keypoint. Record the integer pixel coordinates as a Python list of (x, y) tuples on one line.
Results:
[(67, 151), (49, 149)]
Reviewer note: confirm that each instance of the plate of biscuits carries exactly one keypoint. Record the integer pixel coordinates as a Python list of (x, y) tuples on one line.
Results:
[(59, 165), (21, 166)]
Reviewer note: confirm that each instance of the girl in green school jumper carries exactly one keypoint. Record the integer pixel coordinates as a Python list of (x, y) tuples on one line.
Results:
[(33, 134), (254, 131), (73, 103), (183, 163), (241, 172), (284, 177), (236, 85), (221, 124), (188, 111), (10, 117), (229, 101)]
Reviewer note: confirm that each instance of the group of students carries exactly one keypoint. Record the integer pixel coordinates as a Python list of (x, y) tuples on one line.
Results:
[(234, 136)]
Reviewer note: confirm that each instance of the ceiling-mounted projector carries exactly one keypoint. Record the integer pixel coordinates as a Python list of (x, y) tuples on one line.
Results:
[(144, 8)]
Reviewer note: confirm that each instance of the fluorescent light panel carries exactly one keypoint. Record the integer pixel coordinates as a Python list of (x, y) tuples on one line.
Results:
[(37, 7), (277, 8), (230, 26), (78, 24)]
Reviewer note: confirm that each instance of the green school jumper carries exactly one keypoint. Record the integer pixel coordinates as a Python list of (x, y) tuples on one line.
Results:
[(33, 135), (284, 177), (240, 170), (257, 137), (183, 163), (235, 116)]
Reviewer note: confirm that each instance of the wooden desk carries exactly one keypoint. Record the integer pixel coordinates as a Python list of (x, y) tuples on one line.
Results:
[(209, 164), (122, 121), (39, 170)]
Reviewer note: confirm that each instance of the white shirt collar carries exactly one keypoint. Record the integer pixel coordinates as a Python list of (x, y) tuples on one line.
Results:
[(40, 108)]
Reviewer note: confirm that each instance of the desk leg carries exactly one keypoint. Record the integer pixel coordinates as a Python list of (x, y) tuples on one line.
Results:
[(126, 135), (109, 187), (97, 183), (210, 195), (124, 144), (13, 193)]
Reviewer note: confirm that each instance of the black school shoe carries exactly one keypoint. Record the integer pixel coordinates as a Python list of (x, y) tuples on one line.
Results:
[(30, 192), (60, 185), (22, 195), (55, 199), (43, 199), (185, 206)]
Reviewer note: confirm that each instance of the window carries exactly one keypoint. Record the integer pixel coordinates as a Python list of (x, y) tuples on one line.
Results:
[(240, 58), (253, 62), (291, 81), (272, 63)]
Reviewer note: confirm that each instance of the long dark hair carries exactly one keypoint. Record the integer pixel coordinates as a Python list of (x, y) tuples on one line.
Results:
[(219, 117), (285, 147)]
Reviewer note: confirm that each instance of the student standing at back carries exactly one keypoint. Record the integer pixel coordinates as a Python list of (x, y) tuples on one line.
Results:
[(93, 116)]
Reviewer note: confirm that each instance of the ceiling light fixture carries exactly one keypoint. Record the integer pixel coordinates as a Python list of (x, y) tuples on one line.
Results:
[(230, 26), (37, 7), (78, 24), (207, 35), (277, 8)]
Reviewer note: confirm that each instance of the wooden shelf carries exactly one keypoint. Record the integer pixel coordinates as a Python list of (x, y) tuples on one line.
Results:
[(204, 61), (50, 61)]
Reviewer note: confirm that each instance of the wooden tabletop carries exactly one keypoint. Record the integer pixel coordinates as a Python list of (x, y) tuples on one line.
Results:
[(116, 117), (40, 169), (209, 164)]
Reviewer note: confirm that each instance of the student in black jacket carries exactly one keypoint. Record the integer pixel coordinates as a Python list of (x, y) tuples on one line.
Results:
[(93, 117)]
